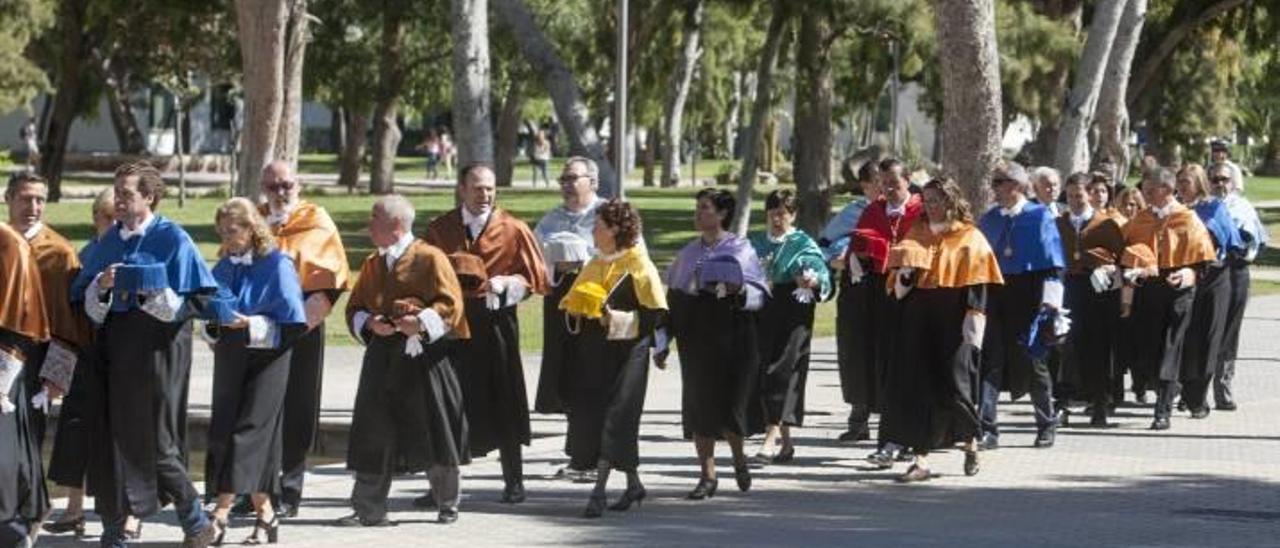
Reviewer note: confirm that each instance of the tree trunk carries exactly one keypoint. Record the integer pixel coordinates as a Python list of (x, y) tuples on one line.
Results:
[(178, 147), (471, 120), (1041, 149), (690, 52), (759, 112), (1072, 154), (353, 145), (650, 156), (116, 86), (509, 132), (813, 138), (1271, 155), (262, 52), (386, 132), (969, 64), (1113, 114), (561, 85), (289, 131), (1155, 60), (70, 95)]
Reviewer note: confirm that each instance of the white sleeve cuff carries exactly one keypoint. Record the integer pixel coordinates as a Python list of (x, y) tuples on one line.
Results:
[(10, 369), (755, 298), (357, 324), (432, 324), (163, 306), (974, 328), (1052, 293), (263, 333), (93, 305), (516, 290)]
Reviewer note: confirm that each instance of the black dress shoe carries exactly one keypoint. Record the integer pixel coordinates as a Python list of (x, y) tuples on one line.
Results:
[(1140, 397), (1182, 405), (1200, 413), (742, 474), (1045, 437), (705, 489), (513, 494), (354, 520), (633, 494), (855, 434), (989, 442), (425, 502), (1161, 423), (1227, 406), (971, 463), (66, 526), (785, 456), (447, 516), (287, 510), (1098, 420)]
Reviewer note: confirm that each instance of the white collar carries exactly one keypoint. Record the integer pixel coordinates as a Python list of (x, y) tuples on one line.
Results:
[(1015, 209), (610, 257), (1083, 217), (126, 234), (33, 230), (245, 258), (1162, 212), (895, 210), (781, 238), (279, 216), (397, 249), (939, 228), (476, 222)]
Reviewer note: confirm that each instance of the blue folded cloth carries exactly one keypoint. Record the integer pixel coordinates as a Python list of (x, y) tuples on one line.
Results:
[(1042, 337), (717, 270), (133, 279)]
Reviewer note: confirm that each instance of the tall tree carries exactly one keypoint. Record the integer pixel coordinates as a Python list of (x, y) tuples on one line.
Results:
[(391, 79), (1113, 112), (813, 132), (559, 82), (471, 89), (969, 64), (1073, 143), (262, 34), (297, 35), (751, 141), (20, 77), (681, 81), (73, 49)]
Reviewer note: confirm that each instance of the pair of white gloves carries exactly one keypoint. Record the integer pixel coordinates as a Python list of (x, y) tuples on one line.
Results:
[(805, 295), (1182, 278), (505, 291)]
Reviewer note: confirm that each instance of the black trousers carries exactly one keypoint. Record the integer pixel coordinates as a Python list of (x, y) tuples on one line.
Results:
[(1005, 361), (301, 412)]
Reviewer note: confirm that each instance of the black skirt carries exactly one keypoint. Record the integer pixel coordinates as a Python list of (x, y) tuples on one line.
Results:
[(933, 388), (785, 332), (1207, 332), (409, 410), (69, 459), (1161, 316), (245, 431), (1090, 347), (555, 374), (859, 334), (22, 489), (607, 395), (492, 378), (719, 364)]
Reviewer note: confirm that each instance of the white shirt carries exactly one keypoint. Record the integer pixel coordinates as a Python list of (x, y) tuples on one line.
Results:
[(1015, 209), (475, 223), (895, 210), (1162, 212), (1079, 221), (126, 234), (33, 231), (245, 258), (396, 250)]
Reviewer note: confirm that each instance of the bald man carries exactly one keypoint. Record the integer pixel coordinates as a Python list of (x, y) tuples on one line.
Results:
[(305, 232)]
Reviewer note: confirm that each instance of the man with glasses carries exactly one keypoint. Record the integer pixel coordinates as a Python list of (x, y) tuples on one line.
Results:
[(1025, 238), (1220, 154), (565, 236), (305, 232), (1254, 234)]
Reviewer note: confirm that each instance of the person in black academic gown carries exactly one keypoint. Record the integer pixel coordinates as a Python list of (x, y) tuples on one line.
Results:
[(255, 319), (163, 279)]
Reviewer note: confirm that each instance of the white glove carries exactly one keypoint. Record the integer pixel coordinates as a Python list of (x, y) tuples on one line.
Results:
[(902, 283), (1132, 275), (803, 295), (855, 269), (1103, 278), (1062, 324), (413, 345), (1051, 293), (722, 291), (974, 328), (10, 368), (809, 277), (41, 401), (1183, 278), (511, 286)]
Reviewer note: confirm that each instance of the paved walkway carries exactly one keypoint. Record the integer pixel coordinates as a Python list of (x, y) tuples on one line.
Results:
[(1213, 482)]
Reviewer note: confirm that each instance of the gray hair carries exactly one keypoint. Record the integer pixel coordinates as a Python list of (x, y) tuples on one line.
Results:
[(1046, 173), (1161, 175), (593, 170), (399, 208)]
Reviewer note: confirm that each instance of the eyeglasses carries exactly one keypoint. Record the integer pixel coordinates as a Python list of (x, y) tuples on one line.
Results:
[(1002, 180), (570, 178), (282, 185), (1220, 179)]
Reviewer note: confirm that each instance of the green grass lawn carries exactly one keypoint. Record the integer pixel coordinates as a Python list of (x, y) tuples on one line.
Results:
[(1260, 189)]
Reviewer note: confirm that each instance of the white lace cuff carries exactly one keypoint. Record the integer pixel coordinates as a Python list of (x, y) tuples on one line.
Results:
[(1051, 294), (263, 333), (10, 369), (94, 306), (163, 305), (432, 324), (357, 325)]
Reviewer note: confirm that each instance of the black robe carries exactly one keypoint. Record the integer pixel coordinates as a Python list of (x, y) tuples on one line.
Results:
[(719, 364), (1161, 317), (409, 406), (68, 462), (933, 387), (785, 332), (862, 331), (555, 376), (492, 377), (1090, 346), (22, 493)]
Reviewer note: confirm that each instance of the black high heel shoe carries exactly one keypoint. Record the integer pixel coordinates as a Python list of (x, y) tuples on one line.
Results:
[(706, 489), (66, 525), (971, 463), (742, 473), (271, 528), (629, 496), (785, 456), (595, 506)]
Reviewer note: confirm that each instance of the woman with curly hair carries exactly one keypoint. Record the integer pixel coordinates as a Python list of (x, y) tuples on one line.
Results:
[(940, 273), (611, 311), (254, 320)]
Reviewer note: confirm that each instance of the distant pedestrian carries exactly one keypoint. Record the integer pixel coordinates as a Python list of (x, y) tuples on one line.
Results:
[(30, 140), (540, 156)]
